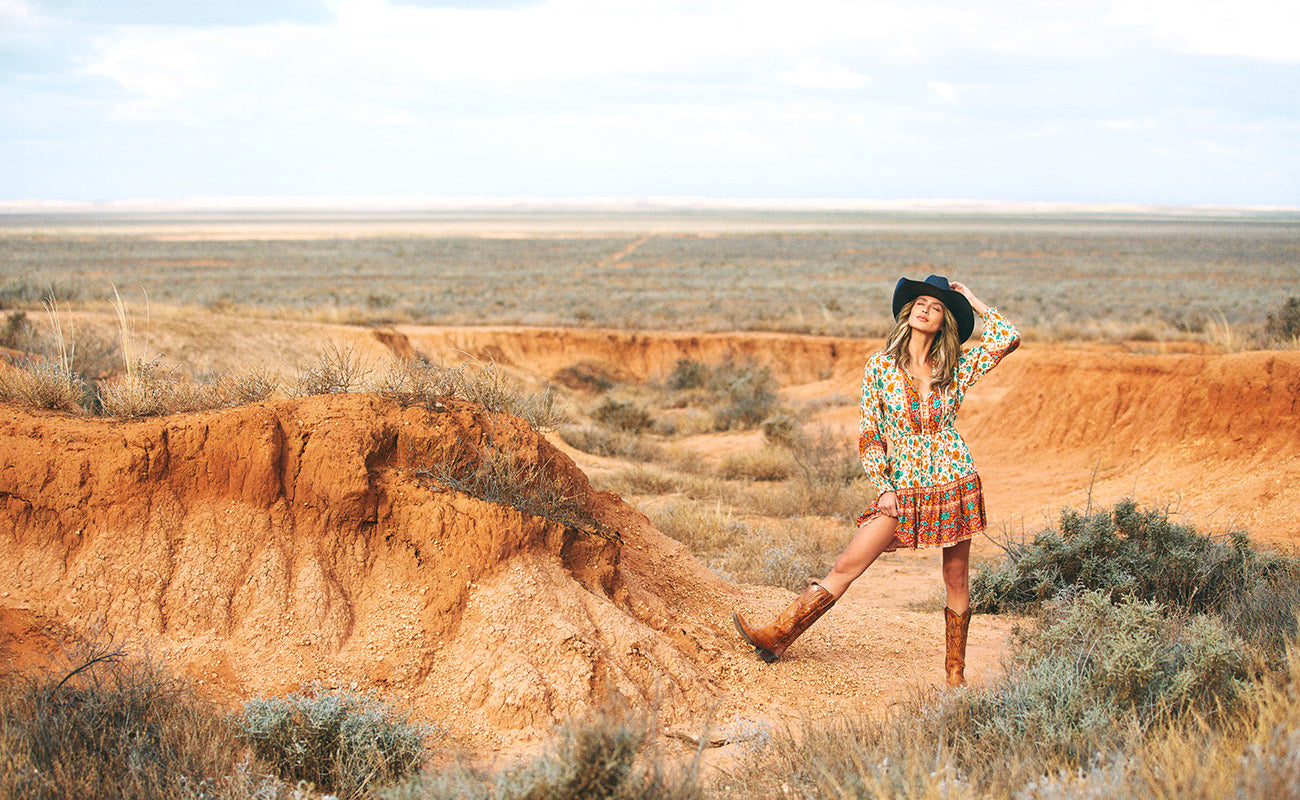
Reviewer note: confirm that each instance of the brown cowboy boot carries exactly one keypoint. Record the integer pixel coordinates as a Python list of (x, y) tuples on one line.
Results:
[(956, 626), (770, 642)]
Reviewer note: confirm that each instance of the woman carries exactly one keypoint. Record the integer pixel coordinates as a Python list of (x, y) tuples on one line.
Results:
[(929, 494)]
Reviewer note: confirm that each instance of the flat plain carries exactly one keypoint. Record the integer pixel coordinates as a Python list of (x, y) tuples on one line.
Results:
[(1062, 276)]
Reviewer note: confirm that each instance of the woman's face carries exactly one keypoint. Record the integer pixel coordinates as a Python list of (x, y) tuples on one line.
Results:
[(927, 315)]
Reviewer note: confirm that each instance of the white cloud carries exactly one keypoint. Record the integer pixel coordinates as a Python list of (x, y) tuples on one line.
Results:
[(946, 92), (823, 75), (1262, 29)]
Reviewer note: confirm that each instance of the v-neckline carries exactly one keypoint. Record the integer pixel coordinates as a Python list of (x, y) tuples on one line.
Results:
[(912, 382)]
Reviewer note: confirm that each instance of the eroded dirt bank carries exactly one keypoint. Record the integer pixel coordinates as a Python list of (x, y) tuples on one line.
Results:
[(277, 544)]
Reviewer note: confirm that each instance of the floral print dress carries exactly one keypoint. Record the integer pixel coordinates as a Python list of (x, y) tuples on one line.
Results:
[(911, 448)]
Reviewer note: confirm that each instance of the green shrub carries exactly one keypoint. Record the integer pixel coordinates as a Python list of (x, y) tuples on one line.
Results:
[(1143, 555), (746, 395), (688, 374), (1284, 326), (336, 741), (17, 331), (1090, 665), (623, 416)]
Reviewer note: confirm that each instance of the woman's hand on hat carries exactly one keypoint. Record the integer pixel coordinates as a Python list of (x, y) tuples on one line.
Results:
[(977, 305)]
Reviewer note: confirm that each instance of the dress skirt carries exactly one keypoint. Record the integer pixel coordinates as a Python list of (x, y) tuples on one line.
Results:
[(936, 516)]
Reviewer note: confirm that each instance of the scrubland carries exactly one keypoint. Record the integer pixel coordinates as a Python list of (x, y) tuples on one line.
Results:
[(1093, 276), (1151, 658)]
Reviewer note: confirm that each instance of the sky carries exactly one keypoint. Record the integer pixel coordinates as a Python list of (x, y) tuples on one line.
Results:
[(1187, 102)]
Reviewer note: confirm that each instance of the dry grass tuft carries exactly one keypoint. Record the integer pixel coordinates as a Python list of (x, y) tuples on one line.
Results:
[(110, 726), (338, 369), (42, 385)]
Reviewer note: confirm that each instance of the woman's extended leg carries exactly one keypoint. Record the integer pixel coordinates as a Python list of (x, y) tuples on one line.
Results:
[(771, 641), (872, 539), (956, 581)]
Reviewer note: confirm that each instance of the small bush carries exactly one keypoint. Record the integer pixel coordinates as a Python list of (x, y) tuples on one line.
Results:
[(706, 530), (336, 741), (17, 331), (587, 376), (787, 555), (1092, 664), (150, 390), (739, 395), (113, 727), (338, 369), (1284, 326), (250, 386), (746, 395), (646, 479), (43, 384), (623, 416), (500, 476), (782, 429), (688, 374)]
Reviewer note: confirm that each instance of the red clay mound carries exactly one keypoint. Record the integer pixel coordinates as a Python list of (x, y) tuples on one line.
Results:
[(268, 546), (1213, 435)]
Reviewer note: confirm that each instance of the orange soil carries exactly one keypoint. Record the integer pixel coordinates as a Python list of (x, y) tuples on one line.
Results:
[(269, 546)]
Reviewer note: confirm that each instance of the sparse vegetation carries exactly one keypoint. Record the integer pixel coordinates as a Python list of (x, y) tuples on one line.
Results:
[(503, 476), (487, 385), (338, 369), (757, 273), (111, 726), (613, 755), (624, 416), (337, 742), (1130, 553), (1283, 327)]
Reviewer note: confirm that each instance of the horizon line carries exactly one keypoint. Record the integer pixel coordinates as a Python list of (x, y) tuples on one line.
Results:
[(443, 204)]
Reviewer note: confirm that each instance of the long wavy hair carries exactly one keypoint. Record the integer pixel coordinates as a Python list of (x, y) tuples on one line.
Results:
[(944, 350)]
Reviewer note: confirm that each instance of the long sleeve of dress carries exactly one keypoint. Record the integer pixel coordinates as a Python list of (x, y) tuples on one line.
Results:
[(871, 443), (1000, 337)]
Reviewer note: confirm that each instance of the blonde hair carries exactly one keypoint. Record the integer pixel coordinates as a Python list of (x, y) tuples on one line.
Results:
[(944, 350)]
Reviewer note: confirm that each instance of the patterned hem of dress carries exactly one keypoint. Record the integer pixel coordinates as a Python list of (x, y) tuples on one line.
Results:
[(936, 516)]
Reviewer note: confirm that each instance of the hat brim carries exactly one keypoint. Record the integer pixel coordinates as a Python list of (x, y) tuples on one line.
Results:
[(908, 290)]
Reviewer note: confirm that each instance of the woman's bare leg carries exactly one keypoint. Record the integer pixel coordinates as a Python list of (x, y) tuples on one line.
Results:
[(956, 576), (867, 545)]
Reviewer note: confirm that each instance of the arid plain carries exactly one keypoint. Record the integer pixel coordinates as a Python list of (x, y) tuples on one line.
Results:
[(266, 546)]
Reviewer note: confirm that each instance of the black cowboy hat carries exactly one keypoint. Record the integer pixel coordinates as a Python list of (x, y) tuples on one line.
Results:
[(937, 286)]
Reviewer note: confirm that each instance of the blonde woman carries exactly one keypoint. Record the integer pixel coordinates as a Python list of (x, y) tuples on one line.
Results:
[(929, 494)]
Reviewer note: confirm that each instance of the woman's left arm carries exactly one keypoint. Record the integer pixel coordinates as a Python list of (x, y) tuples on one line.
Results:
[(999, 338)]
